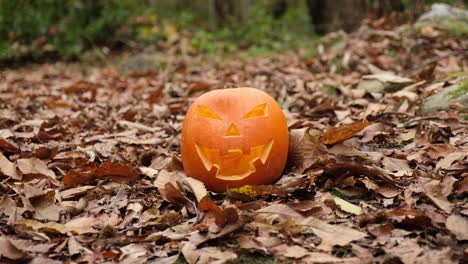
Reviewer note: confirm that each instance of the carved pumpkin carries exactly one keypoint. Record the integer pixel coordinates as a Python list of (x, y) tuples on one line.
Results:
[(234, 137)]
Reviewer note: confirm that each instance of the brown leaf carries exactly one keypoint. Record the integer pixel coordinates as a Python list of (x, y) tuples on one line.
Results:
[(9, 251), (231, 215), (34, 166), (8, 168), (120, 173), (337, 134), (304, 150), (462, 186), (206, 255), (410, 218), (337, 172), (206, 204), (200, 86), (308, 207), (51, 130), (433, 189), (155, 96), (44, 152), (295, 252), (172, 194), (222, 217), (332, 235), (81, 87), (80, 176), (81, 225), (9, 145), (407, 250), (458, 225)]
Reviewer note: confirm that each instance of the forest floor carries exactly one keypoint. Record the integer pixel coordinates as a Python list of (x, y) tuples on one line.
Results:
[(91, 170)]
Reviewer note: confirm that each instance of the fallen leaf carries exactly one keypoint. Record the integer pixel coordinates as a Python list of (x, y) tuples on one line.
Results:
[(78, 226), (337, 172), (120, 173), (458, 225), (295, 252), (347, 206), (206, 255), (197, 187), (8, 168), (81, 87), (337, 134), (8, 145), (172, 194), (304, 150), (36, 167), (433, 190), (206, 204), (9, 251), (80, 175), (407, 250)]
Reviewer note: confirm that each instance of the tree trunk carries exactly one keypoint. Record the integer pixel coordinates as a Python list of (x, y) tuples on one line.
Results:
[(225, 11), (329, 16), (417, 8), (387, 6)]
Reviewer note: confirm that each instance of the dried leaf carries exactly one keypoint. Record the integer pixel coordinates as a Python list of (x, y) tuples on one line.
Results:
[(80, 176), (36, 167), (206, 204), (81, 87), (295, 252), (458, 225), (337, 172), (433, 190), (347, 206), (337, 134), (332, 235), (8, 168), (9, 251), (78, 226), (304, 150), (172, 194), (8, 145), (120, 173)]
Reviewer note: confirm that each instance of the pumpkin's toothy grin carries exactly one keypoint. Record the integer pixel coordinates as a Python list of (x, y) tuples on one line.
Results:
[(234, 165)]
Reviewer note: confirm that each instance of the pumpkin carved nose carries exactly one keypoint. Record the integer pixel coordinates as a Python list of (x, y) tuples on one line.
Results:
[(232, 131)]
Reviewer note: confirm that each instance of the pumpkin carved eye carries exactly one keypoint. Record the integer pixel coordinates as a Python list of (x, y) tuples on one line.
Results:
[(203, 111), (258, 111)]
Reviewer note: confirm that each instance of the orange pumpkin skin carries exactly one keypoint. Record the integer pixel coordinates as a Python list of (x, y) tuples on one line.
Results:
[(234, 137)]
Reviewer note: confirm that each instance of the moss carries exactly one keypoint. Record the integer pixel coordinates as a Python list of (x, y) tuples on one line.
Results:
[(460, 91), (453, 75), (456, 27)]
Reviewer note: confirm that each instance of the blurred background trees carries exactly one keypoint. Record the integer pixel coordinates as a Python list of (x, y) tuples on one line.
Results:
[(42, 28)]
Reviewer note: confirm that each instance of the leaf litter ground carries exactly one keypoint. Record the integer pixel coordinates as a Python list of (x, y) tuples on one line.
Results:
[(91, 172)]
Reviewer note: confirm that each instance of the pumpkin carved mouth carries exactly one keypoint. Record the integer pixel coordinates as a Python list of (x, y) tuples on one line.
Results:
[(234, 165)]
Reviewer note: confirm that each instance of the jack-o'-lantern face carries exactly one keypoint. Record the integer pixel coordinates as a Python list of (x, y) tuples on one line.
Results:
[(233, 137)]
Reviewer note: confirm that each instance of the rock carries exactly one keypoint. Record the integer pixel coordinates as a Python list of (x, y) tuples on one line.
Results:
[(440, 12), (383, 83), (456, 93)]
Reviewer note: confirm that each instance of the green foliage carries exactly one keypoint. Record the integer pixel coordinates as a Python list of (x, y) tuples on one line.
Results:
[(342, 252), (34, 27)]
